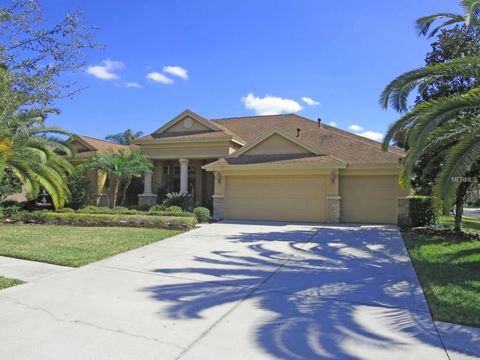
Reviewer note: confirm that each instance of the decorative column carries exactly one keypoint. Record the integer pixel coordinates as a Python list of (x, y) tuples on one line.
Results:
[(148, 197), (219, 197), (333, 209), (183, 175)]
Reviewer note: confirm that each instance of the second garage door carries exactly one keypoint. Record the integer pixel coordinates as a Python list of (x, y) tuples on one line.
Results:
[(368, 199), (283, 198)]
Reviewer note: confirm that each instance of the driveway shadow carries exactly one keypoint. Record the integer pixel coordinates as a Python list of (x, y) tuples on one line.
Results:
[(332, 292)]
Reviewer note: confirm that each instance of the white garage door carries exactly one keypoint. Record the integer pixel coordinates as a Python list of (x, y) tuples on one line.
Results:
[(283, 198), (368, 199)]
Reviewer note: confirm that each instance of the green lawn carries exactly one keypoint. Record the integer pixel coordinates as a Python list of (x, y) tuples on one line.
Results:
[(6, 282), (71, 245), (449, 270), (468, 223)]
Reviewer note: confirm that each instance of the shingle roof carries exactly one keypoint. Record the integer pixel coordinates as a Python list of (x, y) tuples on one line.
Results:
[(325, 139), (101, 145), (185, 135), (278, 159)]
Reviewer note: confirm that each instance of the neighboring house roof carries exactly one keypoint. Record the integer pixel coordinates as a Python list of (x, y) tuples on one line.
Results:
[(94, 146), (325, 139), (100, 145)]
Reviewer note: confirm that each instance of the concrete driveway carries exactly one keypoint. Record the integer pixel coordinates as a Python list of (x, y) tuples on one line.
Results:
[(472, 212), (231, 291)]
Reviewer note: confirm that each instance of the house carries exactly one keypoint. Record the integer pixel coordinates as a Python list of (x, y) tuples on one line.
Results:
[(274, 167)]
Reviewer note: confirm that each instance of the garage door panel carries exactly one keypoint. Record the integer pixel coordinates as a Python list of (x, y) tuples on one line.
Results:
[(368, 199), (287, 198)]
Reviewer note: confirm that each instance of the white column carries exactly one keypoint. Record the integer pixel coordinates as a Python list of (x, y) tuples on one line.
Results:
[(183, 175), (147, 186)]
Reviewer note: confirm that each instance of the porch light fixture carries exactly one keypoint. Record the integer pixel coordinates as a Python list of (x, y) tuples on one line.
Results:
[(218, 178), (333, 176)]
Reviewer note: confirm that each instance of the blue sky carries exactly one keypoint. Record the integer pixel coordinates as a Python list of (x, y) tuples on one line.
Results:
[(222, 58)]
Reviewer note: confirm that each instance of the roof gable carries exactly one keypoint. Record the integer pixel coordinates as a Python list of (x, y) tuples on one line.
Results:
[(187, 122), (274, 142), (79, 146)]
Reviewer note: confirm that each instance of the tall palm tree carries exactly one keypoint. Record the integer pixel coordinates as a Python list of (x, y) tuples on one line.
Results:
[(420, 123), (27, 146), (118, 166)]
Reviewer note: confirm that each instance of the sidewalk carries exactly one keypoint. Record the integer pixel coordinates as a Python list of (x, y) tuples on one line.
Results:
[(28, 271)]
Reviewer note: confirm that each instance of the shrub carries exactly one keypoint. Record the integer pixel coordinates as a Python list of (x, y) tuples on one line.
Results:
[(77, 183), (9, 184), (202, 214), (10, 209), (140, 207), (424, 210), (65, 210), (106, 210), (182, 200), (174, 209), (37, 216), (166, 222), (156, 208)]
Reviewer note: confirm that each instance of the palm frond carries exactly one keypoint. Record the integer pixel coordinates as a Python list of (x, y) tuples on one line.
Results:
[(458, 161), (431, 114), (397, 91), (424, 24), (403, 123)]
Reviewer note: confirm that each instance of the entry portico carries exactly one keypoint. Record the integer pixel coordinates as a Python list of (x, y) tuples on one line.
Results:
[(178, 151)]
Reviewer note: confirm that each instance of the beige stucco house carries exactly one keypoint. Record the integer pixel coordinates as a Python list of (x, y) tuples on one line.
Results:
[(276, 167)]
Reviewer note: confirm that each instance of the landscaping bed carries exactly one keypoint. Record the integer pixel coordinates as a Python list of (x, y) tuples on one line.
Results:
[(158, 216), (142, 221), (73, 245)]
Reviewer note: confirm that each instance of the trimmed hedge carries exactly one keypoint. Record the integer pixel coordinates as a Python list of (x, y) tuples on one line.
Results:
[(166, 222), (106, 210), (424, 210), (202, 214)]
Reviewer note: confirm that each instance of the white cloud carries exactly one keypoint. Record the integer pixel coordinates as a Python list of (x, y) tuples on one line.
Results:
[(107, 70), (133, 85), (310, 101), (270, 105), (332, 123), (355, 127), (159, 77), (372, 135), (176, 71)]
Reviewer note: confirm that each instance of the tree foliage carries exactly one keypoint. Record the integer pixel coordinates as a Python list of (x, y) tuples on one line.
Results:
[(9, 184), (77, 183), (120, 166), (124, 138), (37, 53), (449, 96), (28, 148)]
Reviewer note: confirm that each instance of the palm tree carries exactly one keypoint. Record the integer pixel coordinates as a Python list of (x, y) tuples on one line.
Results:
[(27, 147), (118, 166), (124, 138), (460, 144), (135, 165)]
